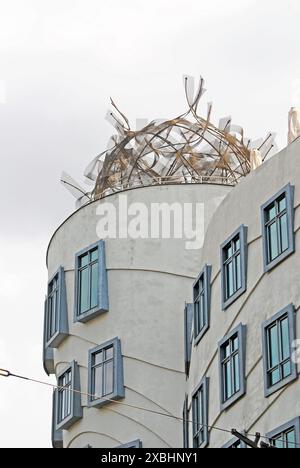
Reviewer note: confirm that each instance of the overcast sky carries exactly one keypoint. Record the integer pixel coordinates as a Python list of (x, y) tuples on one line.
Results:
[(60, 61)]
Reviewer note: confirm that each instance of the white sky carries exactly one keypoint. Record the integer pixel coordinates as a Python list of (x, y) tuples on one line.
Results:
[(60, 61)]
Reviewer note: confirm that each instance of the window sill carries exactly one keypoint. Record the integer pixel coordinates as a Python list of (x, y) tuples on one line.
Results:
[(271, 390), (56, 340), (103, 402), (89, 315), (232, 299), (270, 266)]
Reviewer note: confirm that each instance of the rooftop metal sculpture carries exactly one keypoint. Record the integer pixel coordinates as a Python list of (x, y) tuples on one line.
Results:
[(185, 150)]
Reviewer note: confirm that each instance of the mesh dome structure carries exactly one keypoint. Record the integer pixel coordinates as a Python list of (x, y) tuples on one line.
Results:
[(185, 150)]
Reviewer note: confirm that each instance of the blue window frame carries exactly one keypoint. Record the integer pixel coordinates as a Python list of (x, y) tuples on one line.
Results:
[(186, 423), (286, 436), (234, 252), (68, 407), (56, 319), (136, 444), (232, 354), (202, 300), (188, 336), (200, 415), (278, 336), (106, 379), (278, 227), (91, 287)]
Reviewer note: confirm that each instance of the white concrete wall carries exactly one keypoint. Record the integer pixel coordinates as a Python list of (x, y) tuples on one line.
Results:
[(149, 282), (266, 295)]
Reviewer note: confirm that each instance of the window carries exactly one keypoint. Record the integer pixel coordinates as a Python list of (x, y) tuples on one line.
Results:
[(56, 310), (188, 337), (106, 381), (201, 289), (232, 367), (286, 436), (278, 335), (68, 403), (132, 445), (186, 424), (278, 227), (234, 267), (91, 289), (57, 435), (200, 415)]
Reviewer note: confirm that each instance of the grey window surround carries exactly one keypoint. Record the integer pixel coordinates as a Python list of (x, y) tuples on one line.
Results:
[(57, 435), (294, 423), (204, 385), (61, 312), (136, 444), (48, 353), (186, 425), (242, 232), (103, 302), (290, 312), (76, 408), (188, 338), (241, 332), (118, 374), (232, 442), (206, 275), (288, 190)]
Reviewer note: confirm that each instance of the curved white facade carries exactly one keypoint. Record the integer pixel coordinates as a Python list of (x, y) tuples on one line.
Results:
[(148, 284)]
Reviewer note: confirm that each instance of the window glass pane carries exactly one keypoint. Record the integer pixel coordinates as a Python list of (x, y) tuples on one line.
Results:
[(108, 378), (227, 350), (275, 377), (227, 383), (271, 212), (98, 358), (229, 280), (238, 270), (237, 244), (109, 353), (235, 343), (202, 317), (236, 362), (284, 233), (282, 204), (97, 389), (94, 285), (228, 251), (279, 443), (291, 439), (273, 242), (197, 318), (94, 255), (287, 369), (285, 338), (273, 347), (84, 260), (84, 291)]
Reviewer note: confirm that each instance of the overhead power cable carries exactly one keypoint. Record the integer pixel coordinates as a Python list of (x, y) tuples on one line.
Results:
[(6, 374)]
